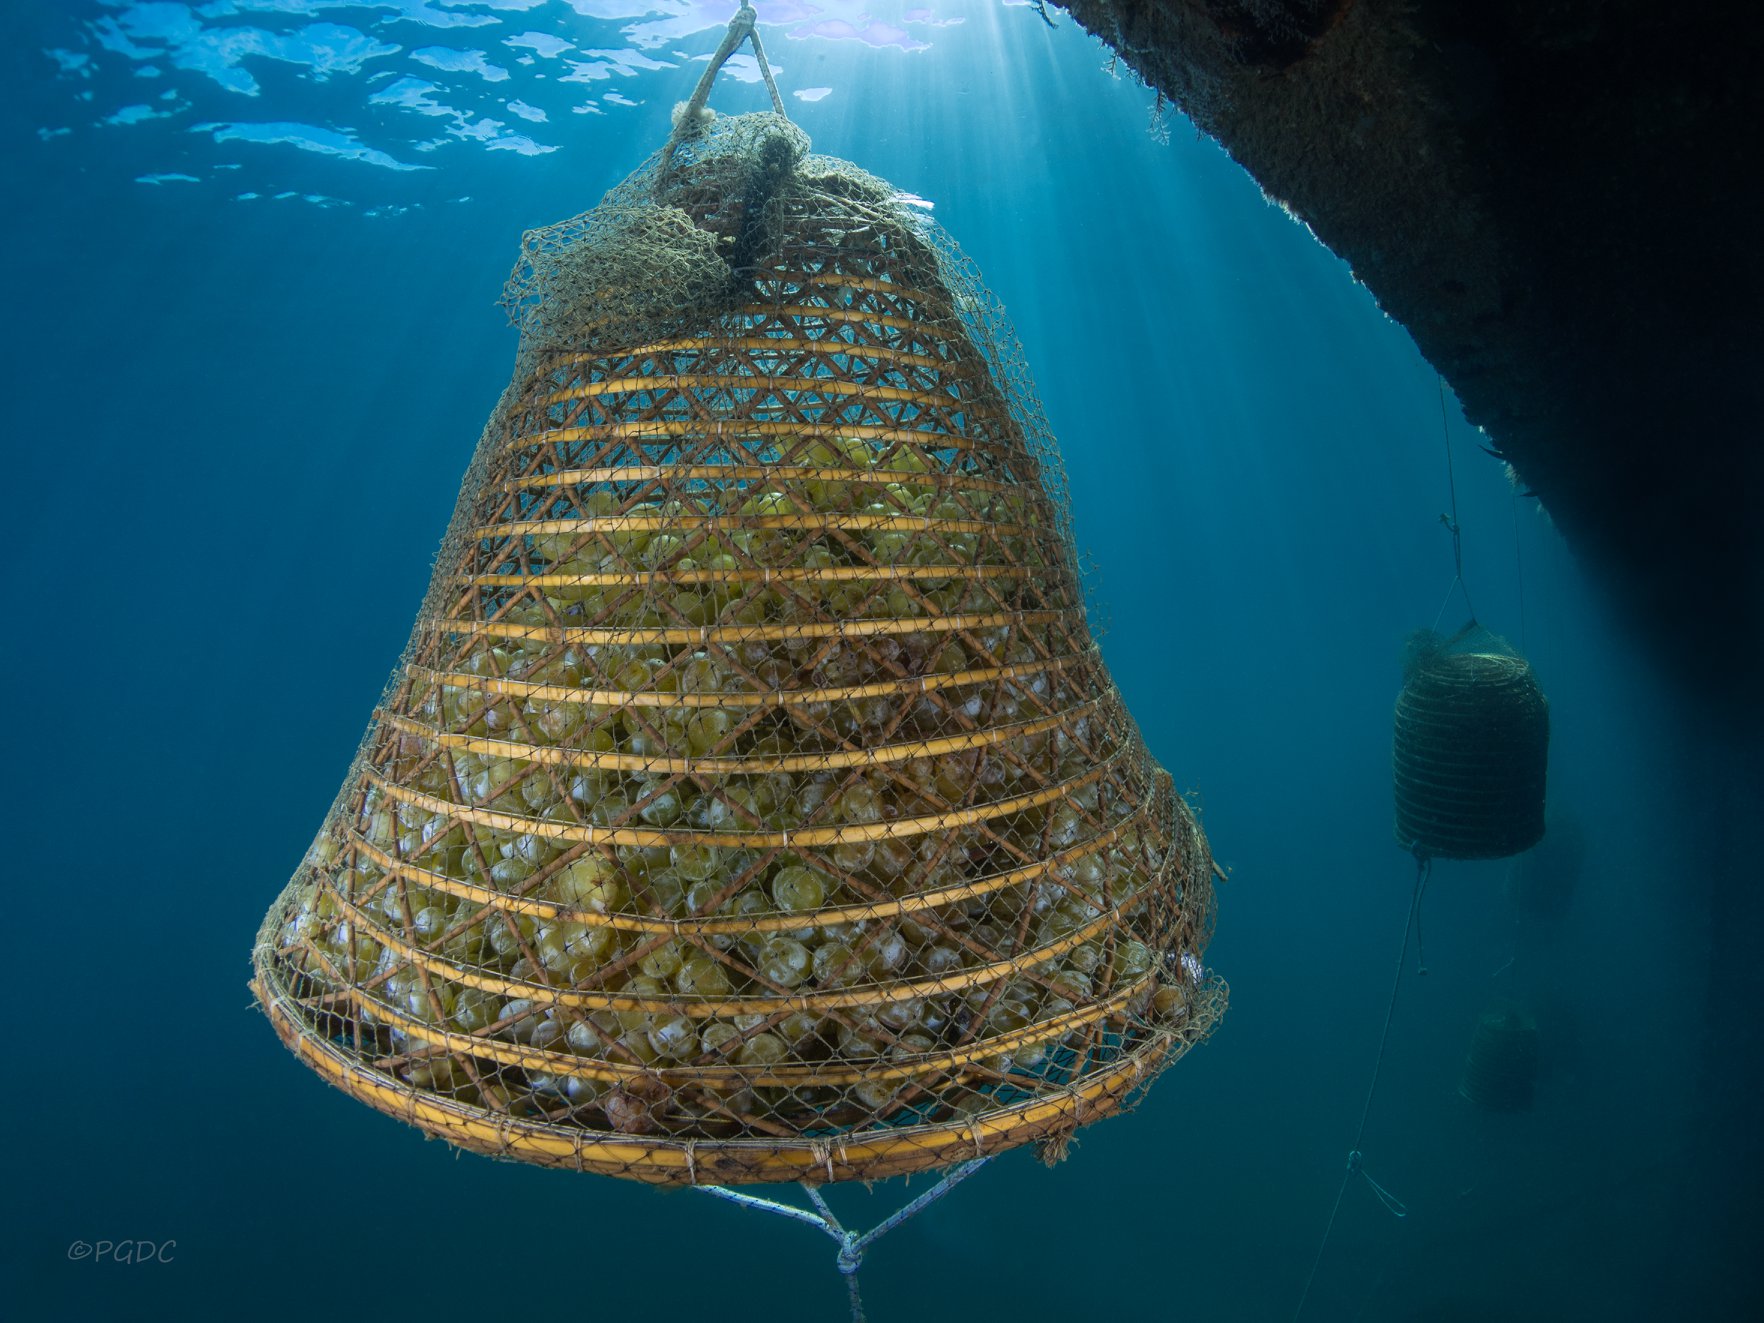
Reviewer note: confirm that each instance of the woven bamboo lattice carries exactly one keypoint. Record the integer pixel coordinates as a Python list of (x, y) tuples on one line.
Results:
[(751, 802)]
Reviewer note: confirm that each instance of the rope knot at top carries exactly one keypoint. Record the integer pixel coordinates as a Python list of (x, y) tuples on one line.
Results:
[(690, 118)]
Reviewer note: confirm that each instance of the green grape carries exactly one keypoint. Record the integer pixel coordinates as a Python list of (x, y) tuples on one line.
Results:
[(560, 945), (588, 1039), (762, 1050), (695, 863), (701, 675), (636, 1043), (939, 960), (785, 962), (474, 1010), (491, 779), (875, 1094), (859, 453), (1170, 1003), (696, 608), (891, 860), (595, 950), (716, 1038), (706, 729), (507, 874), (797, 889), (436, 1074), (836, 965), (858, 804), (609, 808), (700, 976), (887, 544), (662, 550), (662, 962), (381, 828), (591, 882), (428, 923), (701, 898), (798, 1029), (535, 850), (642, 986), (901, 1015), (673, 1037), (1008, 1016), (747, 902), (667, 890), (466, 946), (861, 1039), (914, 933), (886, 954), (854, 856), (906, 459), (1087, 956), (1132, 959), (662, 810), (501, 931)]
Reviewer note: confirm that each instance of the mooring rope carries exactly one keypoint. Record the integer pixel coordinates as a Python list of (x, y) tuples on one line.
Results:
[(1355, 1158), (1451, 520), (1519, 569), (852, 1244)]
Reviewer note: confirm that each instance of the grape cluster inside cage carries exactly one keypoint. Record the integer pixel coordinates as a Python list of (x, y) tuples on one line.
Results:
[(751, 802)]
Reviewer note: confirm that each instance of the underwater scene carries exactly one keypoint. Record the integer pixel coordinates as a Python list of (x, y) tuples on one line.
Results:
[(824, 601)]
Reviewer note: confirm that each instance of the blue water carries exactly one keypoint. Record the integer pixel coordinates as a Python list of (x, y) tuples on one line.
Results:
[(237, 424)]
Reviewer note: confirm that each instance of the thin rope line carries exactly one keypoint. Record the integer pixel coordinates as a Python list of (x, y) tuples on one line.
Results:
[(1423, 875), (1423, 867), (1519, 570), (1440, 614), (1451, 520)]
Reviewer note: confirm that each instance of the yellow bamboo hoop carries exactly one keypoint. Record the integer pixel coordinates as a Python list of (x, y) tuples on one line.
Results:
[(663, 1161), (783, 698), (662, 430), (702, 927), (551, 756), (707, 634)]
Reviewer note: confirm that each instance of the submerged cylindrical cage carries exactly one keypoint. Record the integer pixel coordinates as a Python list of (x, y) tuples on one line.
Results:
[(1500, 1073), (1471, 752), (751, 802)]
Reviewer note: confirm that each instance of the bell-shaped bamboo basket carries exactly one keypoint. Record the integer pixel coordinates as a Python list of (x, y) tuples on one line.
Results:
[(751, 803)]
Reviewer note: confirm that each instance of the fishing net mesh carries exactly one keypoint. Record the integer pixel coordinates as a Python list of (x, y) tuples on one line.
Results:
[(751, 802)]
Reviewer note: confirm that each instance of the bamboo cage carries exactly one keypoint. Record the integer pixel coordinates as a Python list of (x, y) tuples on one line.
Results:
[(1471, 751), (751, 802)]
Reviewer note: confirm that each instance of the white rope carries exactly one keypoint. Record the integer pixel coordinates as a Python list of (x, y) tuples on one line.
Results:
[(852, 1244)]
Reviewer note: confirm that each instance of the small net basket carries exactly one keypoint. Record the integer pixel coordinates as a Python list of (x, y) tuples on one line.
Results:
[(751, 802), (1471, 751)]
